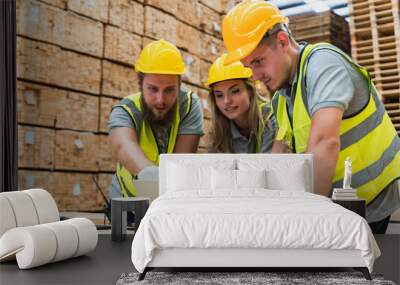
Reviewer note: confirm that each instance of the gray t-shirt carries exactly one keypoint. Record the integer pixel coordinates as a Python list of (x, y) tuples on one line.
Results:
[(242, 144), (191, 124), (333, 82)]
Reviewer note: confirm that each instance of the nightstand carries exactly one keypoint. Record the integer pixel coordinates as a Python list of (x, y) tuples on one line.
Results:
[(356, 205), (119, 208)]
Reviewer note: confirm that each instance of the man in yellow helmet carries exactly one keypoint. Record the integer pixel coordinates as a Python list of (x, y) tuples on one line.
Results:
[(161, 118), (325, 104)]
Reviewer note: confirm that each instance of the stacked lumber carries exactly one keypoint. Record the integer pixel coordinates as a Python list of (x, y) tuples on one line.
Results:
[(321, 27), (75, 60)]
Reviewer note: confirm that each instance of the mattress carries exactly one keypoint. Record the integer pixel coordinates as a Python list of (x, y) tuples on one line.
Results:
[(251, 219)]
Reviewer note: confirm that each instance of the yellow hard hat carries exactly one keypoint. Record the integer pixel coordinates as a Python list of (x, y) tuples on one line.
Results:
[(160, 57), (220, 72), (246, 24)]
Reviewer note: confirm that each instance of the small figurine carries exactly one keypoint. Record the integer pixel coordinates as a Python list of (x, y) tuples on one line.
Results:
[(347, 174)]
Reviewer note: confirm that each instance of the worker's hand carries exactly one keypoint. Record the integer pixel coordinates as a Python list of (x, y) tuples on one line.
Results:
[(149, 173)]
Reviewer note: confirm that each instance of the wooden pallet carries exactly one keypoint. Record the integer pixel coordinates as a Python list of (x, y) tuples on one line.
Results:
[(393, 110), (322, 27), (375, 41)]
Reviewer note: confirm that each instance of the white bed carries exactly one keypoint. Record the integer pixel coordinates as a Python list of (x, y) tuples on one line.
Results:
[(215, 211)]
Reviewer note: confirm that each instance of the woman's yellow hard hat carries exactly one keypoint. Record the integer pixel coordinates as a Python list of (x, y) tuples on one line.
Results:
[(220, 72)]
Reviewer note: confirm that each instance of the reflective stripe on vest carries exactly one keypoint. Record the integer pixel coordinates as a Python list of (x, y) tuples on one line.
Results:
[(368, 138), (147, 142)]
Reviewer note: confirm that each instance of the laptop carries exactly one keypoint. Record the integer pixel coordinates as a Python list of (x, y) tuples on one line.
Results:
[(145, 188)]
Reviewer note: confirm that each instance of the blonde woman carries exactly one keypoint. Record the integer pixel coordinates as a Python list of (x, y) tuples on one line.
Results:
[(242, 121)]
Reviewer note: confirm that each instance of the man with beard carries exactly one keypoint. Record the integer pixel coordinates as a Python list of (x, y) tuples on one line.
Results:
[(161, 118), (325, 104)]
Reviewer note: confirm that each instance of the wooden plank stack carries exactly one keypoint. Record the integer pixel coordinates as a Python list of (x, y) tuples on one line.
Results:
[(321, 27), (375, 40), (75, 60)]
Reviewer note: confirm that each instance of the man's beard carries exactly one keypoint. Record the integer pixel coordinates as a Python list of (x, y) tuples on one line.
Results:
[(163, 120)]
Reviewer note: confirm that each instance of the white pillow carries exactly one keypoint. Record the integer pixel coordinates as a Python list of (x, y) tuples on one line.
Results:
[(188, 175), (182, 177), (223, 179), (251, 178), (284, 174), (291, 180)]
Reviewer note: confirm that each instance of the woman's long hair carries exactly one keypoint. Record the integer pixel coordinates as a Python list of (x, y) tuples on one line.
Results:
[(220, 135)]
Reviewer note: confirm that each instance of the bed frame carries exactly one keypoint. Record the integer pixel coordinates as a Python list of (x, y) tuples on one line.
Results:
[(246, 259)]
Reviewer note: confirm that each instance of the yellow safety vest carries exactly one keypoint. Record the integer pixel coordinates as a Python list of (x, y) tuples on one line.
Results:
[(265, 107), (368, 137), (147, 142)]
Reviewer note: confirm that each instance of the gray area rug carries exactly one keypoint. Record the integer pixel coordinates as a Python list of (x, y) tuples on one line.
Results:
[(273, 278)]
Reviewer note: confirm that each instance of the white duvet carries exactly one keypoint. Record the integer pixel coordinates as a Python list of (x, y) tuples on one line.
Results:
[(252, 218)]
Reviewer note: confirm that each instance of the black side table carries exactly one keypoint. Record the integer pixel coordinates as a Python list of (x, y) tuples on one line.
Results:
[(356, 205), (119, 206)]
